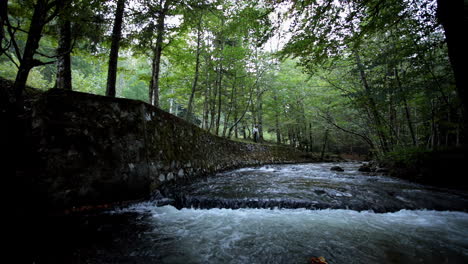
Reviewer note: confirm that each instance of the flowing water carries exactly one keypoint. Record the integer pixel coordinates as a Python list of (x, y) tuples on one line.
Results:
[(313, 186), (266, 215)]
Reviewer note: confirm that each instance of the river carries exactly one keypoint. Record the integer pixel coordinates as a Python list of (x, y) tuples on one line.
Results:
[(281, 214)]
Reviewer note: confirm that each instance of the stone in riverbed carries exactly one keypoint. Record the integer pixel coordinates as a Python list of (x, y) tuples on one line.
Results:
[(382, 170), (366, 167), (336, 168)]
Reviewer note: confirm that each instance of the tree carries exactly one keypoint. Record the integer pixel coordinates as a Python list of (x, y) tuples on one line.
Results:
[(43, 12), (162, 12), (114, 51), (197, 69), (64, 74), (453, 18)]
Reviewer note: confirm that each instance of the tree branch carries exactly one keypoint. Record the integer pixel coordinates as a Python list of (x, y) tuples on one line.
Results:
[(41, 63), (366, 139), (12, 38), (11, 59)]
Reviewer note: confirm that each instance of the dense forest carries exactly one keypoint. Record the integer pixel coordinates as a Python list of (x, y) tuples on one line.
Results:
[(340, 76)]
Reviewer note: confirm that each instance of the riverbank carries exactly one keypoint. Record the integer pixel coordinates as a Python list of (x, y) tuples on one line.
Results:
[(440, 167)]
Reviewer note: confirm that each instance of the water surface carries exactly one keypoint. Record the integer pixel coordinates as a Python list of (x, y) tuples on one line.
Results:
[(314, 186), (276, 214)]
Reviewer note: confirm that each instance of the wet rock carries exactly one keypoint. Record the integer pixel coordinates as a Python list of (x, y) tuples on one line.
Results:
[(320, 192), (366, 167), (170, 176), (382, 170), (336, 168), (162, 177), (180, 173)]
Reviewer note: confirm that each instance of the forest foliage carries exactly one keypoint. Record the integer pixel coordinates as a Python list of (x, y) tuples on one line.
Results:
[(343, 76)]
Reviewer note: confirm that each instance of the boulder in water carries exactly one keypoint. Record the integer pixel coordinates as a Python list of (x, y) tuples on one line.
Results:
[(382, 170), (366, 167), (336, 168)]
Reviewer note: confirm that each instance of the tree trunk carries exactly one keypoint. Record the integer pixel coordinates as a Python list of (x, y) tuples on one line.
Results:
[(324, 145), (372, 105), (407, 110), (249, 103), (219, 88), (277, 126), (206, 104), (260, 116), (27, 62), (157, 52), (3, 17), (231, 107), (213, 97), (114, 52), (236, 134), (219, 73), (64, 76), (197, 69), (206, 107), (452, 16), (311, 145)]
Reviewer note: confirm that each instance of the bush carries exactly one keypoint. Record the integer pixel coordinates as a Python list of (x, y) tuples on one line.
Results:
[(441, 167)]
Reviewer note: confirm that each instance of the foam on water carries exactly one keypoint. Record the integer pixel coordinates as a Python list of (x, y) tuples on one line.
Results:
[(293, 236)]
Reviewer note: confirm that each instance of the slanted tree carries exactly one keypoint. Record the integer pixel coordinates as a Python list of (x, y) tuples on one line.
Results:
[(43, 12)]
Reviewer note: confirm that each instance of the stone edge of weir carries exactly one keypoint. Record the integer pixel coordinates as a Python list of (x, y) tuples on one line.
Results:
[(91, 150)]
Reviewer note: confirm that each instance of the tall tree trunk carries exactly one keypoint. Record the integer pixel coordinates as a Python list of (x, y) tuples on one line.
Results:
[(452, 15), (64, 76), (311, 145), (3, 17), (231, 107), (260, 116), (249, 103), (236, 133), (219, 88), (253, 110), (197, 69), (157, 52), (372, 105), (324, 145), (213, 106), (407, 110), (219, 74), (114, 52), (206, 107), (206, 104), (277, 126), (27, 61)]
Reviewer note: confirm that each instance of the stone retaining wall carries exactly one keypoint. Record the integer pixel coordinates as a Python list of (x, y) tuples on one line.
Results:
[(93, 149)]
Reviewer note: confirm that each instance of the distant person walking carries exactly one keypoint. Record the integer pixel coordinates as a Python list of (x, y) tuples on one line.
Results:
[(255, 133)]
